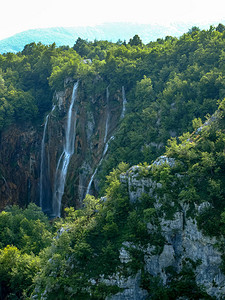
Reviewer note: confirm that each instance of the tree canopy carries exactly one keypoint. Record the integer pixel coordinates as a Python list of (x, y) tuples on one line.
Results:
[(173, 86)]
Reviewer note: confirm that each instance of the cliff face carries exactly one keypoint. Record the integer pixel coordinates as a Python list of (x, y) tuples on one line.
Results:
[(97, 116), (19, 165), (185, 249)]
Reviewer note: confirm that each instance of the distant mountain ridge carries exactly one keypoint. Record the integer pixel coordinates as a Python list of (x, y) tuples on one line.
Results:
[(107, 31)]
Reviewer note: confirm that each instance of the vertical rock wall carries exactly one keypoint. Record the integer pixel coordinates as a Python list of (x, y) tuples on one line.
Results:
[(183, 243), (20, 147)]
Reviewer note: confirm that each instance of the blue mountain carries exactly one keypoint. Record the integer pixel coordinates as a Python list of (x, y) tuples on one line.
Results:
[(108, 31)]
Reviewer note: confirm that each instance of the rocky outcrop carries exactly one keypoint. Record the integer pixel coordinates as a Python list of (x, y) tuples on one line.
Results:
[(131, 288), (184, 243)]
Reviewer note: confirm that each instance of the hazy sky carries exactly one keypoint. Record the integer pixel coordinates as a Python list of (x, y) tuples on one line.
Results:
[(17, 16)]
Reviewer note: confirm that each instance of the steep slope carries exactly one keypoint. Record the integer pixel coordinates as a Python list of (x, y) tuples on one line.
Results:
[(94, 125), (22, 160), (166, 83), (158, 230), (149, 238)]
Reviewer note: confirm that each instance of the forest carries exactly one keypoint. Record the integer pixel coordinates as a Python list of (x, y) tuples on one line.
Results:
[(175, 90)]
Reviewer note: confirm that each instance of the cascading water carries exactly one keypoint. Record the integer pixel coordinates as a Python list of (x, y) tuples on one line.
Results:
[(106, 134), (45, 191), (124, 103), (100, 162), (63, 162), (106, 143), (107, 117)]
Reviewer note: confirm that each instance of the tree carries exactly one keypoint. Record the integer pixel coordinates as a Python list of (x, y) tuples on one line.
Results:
[(82, 47), (16, 273), (194, 29), (135, 41), (220, 28), (28, 229), (144, 91), (23, 104)]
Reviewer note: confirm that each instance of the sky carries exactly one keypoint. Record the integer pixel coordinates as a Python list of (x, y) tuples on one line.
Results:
[(17, 16)]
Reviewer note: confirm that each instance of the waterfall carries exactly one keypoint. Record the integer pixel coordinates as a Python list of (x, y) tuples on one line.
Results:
[(44, 179), (106, 133), (107, 117), (106, 143), (124, 103), (43, 159), (92, 178), (64, 159), (100, 162)]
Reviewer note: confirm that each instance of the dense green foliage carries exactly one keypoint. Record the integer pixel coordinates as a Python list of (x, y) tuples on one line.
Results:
[(175, 81), (168, 84), (87, 243), (28, 229), (23, 234)]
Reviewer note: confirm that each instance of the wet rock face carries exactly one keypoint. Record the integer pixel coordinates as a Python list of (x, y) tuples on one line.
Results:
[(19, 165), (20, 147), (94, 112)]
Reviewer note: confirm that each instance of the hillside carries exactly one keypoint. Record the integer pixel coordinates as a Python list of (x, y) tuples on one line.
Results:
[(112, 169), (157, 234), (108, 31)]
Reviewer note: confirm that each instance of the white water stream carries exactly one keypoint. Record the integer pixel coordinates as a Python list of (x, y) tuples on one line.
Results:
[(100, 162), (43, 161), (106, 144), (64, 159), (124, 103), (107, 117), (106, 134)]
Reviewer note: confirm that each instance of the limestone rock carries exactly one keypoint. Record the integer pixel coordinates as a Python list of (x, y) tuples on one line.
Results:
[(183, 240), (131, 287)]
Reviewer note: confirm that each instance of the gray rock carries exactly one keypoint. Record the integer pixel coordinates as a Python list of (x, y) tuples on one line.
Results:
[(183, 240), (164, 159), (60, 98), (132, 289), (90, 127)]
